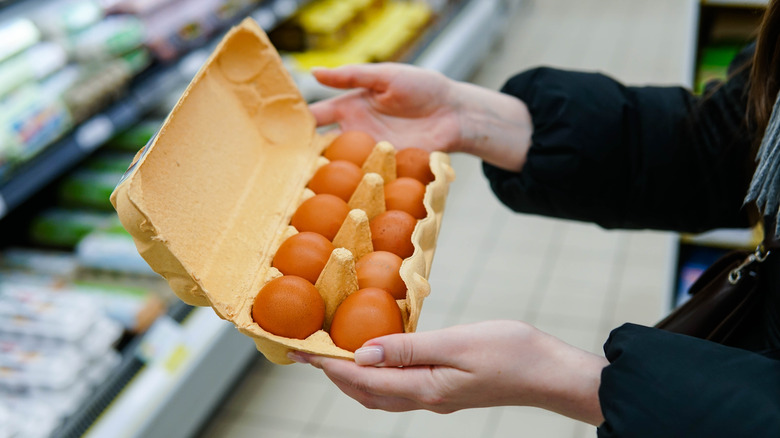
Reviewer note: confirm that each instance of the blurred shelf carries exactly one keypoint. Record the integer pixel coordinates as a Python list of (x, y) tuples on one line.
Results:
[(145, 93), (170, 379), (460, 47), (175, 392)]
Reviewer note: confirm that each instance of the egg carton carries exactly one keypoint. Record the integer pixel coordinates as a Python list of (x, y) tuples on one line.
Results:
[(209, 200)]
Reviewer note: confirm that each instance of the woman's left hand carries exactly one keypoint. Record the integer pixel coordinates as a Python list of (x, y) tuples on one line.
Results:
[(478, 365)]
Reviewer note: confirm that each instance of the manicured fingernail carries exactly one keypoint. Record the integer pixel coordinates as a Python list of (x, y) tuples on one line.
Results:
[(371, 355), (295, 357)]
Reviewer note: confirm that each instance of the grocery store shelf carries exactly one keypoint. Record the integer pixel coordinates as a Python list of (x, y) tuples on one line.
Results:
[(143, 96)]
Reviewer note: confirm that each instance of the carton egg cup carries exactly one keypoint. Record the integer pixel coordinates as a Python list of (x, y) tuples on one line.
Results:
[(209, 200)]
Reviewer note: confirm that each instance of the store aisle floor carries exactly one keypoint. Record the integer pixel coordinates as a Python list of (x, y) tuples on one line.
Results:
[(575, 281)]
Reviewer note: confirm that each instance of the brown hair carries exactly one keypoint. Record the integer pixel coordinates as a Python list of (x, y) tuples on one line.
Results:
[(765, 72)]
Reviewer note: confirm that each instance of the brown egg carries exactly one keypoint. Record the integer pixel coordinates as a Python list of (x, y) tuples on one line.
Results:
[(414, 163), (339, 178), (366, 314), (289, 306), (406, 194), (321, 214), (303, 254), (392, 231), (354, 146), (381, 269)]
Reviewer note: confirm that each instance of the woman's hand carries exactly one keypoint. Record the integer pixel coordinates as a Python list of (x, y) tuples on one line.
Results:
[(407, 106), (412, 107), (492, 363)]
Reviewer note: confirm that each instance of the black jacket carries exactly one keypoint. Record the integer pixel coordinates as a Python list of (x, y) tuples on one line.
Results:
[(661, 158)]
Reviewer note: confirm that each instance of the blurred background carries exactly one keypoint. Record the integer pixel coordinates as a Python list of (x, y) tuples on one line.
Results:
[(93, 343)]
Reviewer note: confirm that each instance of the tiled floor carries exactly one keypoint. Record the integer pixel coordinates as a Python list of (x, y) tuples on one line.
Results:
[(572, 280)]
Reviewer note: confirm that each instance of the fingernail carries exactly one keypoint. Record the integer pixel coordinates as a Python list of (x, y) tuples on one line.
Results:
[(295, 357), (369, 355)]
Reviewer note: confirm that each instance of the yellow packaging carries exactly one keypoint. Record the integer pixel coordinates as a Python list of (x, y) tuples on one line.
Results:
[(209, 200)]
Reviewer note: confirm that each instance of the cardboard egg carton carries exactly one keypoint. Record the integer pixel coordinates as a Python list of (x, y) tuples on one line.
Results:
[(209, 200)]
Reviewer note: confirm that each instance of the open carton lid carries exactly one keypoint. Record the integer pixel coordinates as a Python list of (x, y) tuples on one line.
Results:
[(209, 200)]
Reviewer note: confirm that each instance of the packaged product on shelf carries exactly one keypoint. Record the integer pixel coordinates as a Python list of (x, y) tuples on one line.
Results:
[(31, 118), (102, 83), (135, 137), (31, 416), (137, 7), (111, 37), (135, 308), (86, 188), (180, 26), (40, 312), (129, 301), (58, 227), (59, 264), (60, 18), (30, 365), (8, 427), (17, 34), (322, 24), (35, 63), (386, 34), (111, 251)]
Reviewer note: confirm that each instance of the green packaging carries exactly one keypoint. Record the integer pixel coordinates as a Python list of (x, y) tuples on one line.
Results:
[(64, 228), (86, 188)]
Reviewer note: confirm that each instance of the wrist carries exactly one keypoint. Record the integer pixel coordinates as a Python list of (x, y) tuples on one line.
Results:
[(494, 126), (570, 385)]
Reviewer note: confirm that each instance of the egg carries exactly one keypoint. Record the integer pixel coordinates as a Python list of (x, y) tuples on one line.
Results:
[(366, 314), (414, 163), (303, 254), (381, 269), (322, 214), (354, 146), (406, 194), (289, 306), (392, 231), (339, 178)]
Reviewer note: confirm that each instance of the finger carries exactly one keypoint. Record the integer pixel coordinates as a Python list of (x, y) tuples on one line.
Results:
[(439, 347), (325, 112), (372, 76), (394, 389), (375, 401)]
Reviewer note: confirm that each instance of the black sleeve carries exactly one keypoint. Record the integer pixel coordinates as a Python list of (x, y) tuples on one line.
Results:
[(630, 157), (661, 384)]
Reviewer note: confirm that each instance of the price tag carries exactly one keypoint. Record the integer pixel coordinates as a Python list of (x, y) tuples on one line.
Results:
[(94, 132)]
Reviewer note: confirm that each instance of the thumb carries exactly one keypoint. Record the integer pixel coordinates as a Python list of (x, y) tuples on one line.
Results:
[(408, 349)]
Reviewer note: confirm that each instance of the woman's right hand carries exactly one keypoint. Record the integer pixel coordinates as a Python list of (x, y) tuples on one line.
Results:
[(413, 107)]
